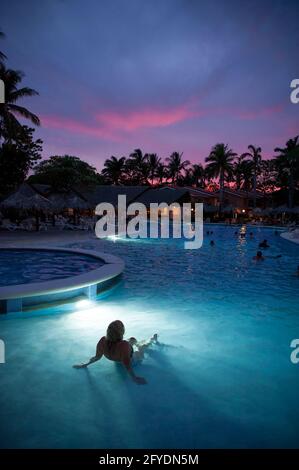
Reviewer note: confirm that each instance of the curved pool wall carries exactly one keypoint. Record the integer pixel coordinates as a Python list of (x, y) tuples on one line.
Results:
[(14, 298)]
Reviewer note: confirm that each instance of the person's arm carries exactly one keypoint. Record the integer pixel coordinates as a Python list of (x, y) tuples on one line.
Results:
[(126, 360), (97, 357)]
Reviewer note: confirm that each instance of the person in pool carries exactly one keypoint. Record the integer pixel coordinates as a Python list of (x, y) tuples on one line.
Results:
[(212, 243), (264, 244), (115, 348), (260, 257)]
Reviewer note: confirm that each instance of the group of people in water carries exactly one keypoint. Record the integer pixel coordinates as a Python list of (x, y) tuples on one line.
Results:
[(263, 245)]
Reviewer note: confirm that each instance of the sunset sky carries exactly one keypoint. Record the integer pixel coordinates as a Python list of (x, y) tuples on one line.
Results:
[(160, 75)]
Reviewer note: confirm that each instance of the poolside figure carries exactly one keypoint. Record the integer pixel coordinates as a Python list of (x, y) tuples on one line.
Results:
[(264, 244), (115, 348)]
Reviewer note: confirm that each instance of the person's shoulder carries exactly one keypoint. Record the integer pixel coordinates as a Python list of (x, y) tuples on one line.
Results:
[(125, 346)]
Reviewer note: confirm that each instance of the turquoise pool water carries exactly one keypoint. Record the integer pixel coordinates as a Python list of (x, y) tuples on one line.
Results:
[(221, 377), (29, 266)]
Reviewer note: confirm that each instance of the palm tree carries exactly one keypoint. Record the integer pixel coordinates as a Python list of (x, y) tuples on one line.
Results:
[(153, 162), (242, 172), (176, 165), (220, 164), (114, 169), (2, 55), (138, 168), (9, 125), (161, 172), (256, 158), (198, 175), (288, 165)]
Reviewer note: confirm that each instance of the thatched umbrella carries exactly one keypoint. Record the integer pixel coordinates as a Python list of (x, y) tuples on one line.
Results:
[(34, 202), (64, 200), (61, 201)]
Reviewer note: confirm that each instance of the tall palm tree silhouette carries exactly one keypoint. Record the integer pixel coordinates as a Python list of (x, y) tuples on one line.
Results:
[(114, 169), (255, 156), (288, 164), (220, 164), (176, 165), (10, 127)]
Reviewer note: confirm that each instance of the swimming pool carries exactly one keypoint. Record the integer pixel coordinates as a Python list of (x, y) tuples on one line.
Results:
[(36, 276), (222, 376), (26, 266)]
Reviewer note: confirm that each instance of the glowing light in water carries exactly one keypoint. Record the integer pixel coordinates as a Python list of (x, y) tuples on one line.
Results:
[(84, 303)]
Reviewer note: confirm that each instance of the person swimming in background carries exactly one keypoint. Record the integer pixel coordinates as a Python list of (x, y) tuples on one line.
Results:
[(236, 233), (251, 234), (212, 243), (260, 257), (115, 348), (264, 244), (208, 233)]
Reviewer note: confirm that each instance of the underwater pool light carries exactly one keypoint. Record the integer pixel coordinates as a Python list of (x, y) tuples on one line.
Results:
[(84, 303)]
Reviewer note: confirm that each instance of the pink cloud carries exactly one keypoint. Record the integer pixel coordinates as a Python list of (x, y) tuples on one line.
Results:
[(114, 125), (258, 113), (134, 120), (77, 127)]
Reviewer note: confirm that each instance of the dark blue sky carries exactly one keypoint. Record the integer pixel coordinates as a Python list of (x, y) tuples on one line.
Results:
[(162, 75)]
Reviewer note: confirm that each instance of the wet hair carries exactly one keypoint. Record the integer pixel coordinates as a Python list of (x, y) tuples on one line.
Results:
[(259, 254), (115, 332)]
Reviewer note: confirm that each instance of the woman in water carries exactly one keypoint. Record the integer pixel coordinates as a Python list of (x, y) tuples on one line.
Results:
[(115, 348)]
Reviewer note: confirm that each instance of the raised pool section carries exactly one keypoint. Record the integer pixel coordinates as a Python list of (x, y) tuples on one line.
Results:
[(35, 276)]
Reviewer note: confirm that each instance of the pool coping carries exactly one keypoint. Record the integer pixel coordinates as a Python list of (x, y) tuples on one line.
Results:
[(113, 267), (288, 236)]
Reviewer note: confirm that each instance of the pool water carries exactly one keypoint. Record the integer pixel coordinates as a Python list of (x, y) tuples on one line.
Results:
[(220, 377), (29, 266)]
